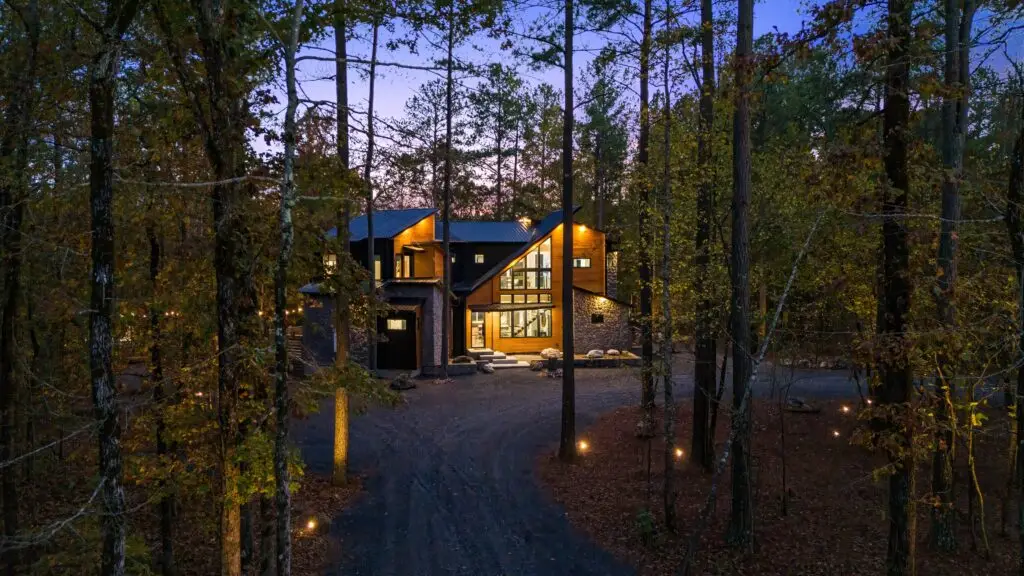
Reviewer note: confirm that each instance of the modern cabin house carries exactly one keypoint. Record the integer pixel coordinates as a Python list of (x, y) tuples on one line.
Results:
[(506, 291)]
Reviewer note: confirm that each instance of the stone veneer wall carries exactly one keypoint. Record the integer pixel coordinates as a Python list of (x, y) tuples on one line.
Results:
[(614, 332), (611, 274)]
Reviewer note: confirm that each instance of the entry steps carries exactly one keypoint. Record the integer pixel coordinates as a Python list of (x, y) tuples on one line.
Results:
[(496, 358)]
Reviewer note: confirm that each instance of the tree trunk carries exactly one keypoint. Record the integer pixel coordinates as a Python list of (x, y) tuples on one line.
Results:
[(741, 521), (1015, 228), (644, 232), (669, 491), (160, 398), (515, 172), (446, 201), (702, 446), (102, 81), (282, 490), (371, 329), (499, 142), (894, 364), (342, 314), (13, 192), (954, 117), (567, 439)]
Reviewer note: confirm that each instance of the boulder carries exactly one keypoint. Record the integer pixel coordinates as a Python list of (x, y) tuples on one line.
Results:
[(800, 405), (612, 352), (550, 353), (556, 373), (823, 364), (593, 354), (487, 368), (462, 360), (803, 363), (403, 382), (537, 365)]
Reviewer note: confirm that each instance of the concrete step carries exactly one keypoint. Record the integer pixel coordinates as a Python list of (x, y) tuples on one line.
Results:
[(505, 360), (476, 353), (517, 364), (492, 357)]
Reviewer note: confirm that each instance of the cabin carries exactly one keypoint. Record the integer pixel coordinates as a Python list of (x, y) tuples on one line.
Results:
[(506, 291)]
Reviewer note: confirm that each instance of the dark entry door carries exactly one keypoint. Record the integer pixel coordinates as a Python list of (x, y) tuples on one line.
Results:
[(398, 352)]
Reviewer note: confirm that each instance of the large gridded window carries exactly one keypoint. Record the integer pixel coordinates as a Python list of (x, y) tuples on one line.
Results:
[(526, 324), (531, 272)]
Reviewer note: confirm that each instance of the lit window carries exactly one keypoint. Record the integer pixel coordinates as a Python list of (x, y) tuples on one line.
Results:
[(526, 324), (453, 258), (531, 272), (519, 298), (581, 262), (376, 267), (506, 298), (330, 263), (531, 298), (478, 258), (396, 323), (545, 298)]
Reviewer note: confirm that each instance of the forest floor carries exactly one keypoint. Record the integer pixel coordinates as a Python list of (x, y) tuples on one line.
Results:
[(835, 521)]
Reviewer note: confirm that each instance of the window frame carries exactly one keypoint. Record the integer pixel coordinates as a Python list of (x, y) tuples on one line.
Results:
[(578, 262), (404, 323), (520, 274), (478, 258), (518, 323)]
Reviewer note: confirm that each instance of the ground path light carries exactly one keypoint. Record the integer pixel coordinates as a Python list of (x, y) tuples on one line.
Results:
[(845, 409), (583, 446), (679, 453), (835, 433)]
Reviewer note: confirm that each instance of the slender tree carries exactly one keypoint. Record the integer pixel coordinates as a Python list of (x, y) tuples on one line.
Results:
[(567, 444), (894, 365), (956, 73), (371, 329), (446, 202), (283, 499), (705, 353), (741, 520), (342, 314), (18, 100), (669, 491), (644, 232), (103, 73)]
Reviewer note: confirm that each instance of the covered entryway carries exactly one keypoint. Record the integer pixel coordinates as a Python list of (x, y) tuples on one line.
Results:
[(399, 345)]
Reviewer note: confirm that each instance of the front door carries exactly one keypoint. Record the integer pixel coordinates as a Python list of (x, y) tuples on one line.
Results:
[(397, 348), (477, 329)]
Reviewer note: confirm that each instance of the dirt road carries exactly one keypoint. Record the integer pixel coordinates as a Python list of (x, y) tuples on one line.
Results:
[(450, 486)]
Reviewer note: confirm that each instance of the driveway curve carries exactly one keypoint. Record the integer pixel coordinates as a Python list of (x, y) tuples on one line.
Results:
[(450, 482)]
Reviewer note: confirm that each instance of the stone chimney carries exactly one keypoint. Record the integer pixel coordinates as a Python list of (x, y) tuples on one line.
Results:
[(611, 274)]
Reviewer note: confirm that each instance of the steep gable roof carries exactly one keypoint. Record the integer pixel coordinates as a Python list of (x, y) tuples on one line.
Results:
[(545, 227), (386, 223), (476, 231)]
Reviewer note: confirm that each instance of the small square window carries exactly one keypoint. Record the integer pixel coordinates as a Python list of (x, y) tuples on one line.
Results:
[(396, 323), (531, 298), (597, 318), (581, 262), (545, 298), (453, 258), (506, 298), (519, 298), (330, 263), (478, 258)]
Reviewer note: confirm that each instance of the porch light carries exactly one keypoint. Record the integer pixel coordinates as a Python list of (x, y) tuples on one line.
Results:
[(583, 228)]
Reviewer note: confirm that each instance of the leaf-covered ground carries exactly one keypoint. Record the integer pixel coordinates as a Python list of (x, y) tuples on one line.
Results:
[(836, 510)]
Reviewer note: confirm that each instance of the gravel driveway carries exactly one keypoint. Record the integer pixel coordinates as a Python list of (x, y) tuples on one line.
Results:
[(450, 483)]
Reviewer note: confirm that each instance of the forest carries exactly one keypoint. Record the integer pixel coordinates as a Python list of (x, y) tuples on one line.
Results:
[(843, 188)]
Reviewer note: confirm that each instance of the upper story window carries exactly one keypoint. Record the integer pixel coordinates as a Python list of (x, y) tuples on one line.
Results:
[(532, 271), (376, 267), (478, 258), (330, 263), (581, 262)]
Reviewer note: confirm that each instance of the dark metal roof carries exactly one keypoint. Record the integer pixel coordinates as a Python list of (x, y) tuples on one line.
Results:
[(545, 227), (477, 231), (503, 307), (386, 223)]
